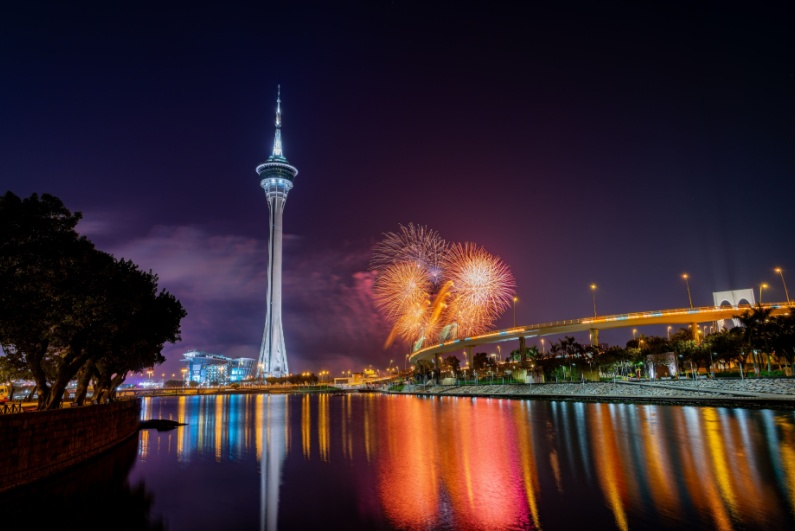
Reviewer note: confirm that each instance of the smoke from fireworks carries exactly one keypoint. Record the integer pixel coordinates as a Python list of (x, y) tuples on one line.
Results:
[(432, 291)]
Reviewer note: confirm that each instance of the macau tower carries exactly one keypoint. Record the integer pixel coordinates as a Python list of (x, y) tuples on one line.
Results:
[(277, 178)]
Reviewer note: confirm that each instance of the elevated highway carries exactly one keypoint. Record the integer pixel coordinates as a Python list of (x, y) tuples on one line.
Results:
[(592, 325)]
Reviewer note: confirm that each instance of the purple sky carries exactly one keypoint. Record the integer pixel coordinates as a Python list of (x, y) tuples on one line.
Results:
[(618, 146)]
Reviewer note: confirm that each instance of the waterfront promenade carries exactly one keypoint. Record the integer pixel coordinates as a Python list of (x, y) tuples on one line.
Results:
[(776, 393)]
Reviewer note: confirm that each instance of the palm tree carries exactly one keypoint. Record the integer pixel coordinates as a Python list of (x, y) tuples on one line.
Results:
[(755, 326)]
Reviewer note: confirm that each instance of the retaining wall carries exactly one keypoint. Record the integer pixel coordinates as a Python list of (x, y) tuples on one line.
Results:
[(38, 444)]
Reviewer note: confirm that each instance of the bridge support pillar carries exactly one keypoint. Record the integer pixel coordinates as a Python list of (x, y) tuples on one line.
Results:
[(694, 332), (593, 334), (522, 350), (437, 358)]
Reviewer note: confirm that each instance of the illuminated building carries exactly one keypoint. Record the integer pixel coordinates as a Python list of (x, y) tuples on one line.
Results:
[(214, 369), (277, 178)]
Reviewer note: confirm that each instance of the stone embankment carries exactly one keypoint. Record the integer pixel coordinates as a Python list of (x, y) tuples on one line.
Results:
[(776, 393), (40, 444)]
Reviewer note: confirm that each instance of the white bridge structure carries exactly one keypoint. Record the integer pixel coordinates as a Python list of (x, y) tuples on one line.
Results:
[(687, 316)]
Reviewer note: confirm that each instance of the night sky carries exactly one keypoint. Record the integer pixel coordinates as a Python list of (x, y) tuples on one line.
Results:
[(621, 146)]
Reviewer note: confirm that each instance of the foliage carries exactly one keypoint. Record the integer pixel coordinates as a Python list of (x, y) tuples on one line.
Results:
[(67, 309), (480, 360), (452, 363)]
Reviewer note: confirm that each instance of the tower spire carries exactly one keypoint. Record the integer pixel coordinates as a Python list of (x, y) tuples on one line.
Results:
[(277, 139)]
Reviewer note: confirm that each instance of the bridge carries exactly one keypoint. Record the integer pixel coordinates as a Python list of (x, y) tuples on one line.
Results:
[(688, 316)]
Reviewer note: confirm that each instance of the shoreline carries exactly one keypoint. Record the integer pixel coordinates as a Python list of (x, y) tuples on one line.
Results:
[(752, 394)]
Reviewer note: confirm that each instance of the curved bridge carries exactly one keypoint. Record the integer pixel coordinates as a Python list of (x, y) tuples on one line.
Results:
[(594, 324)]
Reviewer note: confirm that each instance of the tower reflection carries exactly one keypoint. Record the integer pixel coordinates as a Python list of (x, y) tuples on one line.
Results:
[(272, 425)]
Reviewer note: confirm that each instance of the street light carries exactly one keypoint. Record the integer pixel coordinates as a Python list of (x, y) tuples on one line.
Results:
[(593, 292), (689, 298), (634, 331), (781, 274), (761, 287), (669, 333), (542, 346), (515, 300)]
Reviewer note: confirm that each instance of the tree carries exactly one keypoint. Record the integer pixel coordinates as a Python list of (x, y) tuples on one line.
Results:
[(453, 363), (783, 340), (40, 257), (480, 360), (756, 332), (726, 346), (12, 371), (67, 309)]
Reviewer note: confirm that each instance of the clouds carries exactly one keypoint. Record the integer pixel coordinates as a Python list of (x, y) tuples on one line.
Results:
[(221, 279)]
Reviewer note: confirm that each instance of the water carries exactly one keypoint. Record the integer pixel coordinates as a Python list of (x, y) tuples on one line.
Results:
[(368, 461)]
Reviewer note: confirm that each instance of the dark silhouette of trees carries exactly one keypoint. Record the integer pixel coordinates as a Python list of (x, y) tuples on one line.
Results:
[(480, 360), (453, 363), (68, 310)]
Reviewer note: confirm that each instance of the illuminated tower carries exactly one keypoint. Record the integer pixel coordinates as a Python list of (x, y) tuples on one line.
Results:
[(277, 180)]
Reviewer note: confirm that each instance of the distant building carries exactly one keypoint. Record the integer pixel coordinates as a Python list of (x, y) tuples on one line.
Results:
[(215, 369)]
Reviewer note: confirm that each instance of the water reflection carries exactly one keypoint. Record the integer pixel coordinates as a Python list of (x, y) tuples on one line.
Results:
[(273, 414), (399, 462)]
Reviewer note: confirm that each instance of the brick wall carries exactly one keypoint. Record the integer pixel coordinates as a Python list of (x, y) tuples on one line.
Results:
[(38, 444)]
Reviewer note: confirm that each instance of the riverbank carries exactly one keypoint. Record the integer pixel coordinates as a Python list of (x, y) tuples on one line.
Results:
[(41, 444), (773, 393)]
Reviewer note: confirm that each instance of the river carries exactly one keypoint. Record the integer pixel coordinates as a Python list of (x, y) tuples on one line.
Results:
[(371, 461)]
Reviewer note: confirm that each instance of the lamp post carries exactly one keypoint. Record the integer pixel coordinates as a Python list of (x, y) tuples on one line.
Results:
[(669, 333), (542, 346), (634, 331), (761, 287), (515, 299), (593, 292), (781, 274), (184, 372), (687, 283)]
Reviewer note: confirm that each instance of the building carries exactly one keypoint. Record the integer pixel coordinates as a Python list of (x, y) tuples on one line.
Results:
[(277, 178), (215, 369)]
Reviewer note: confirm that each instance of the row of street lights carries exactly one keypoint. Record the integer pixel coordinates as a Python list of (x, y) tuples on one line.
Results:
[(686, 277)]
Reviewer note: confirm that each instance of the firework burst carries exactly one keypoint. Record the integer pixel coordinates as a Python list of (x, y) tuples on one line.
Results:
[(413, 244), (482, 287), (432, 291)]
